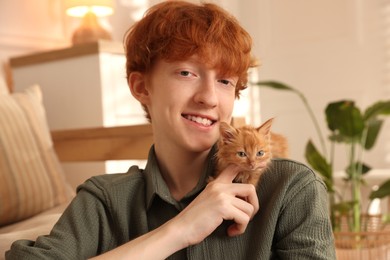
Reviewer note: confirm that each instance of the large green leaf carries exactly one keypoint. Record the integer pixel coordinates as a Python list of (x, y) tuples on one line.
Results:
[(373, 128), (332, 112), (345, 118), (319, 164), (382, 191), (379, 108)]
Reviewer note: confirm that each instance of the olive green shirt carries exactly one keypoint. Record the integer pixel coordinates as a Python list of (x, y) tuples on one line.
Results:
[(109, 210)]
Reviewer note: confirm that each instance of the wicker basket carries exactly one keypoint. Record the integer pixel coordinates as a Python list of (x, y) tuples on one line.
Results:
[(372, 243)]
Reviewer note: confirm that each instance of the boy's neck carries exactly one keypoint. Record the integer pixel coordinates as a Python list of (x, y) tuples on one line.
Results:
[(181, 171)]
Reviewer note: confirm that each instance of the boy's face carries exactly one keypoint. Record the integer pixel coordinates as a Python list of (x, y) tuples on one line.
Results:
[(186, 102)]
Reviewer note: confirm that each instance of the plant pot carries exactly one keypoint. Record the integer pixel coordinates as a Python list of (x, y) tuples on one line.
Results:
[(372, 243)]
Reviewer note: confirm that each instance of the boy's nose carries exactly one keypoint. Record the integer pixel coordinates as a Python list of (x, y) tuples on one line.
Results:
[(206, 94)]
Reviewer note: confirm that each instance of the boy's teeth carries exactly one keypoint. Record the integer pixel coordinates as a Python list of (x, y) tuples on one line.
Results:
[(200, 120)]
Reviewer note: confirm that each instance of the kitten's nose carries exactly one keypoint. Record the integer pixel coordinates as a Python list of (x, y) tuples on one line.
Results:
[(252, 165)]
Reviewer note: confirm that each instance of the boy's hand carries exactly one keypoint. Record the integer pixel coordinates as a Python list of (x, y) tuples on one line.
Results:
[(220, 200)]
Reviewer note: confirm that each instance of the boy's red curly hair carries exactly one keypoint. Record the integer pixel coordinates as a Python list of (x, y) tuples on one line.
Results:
[(176, 30)]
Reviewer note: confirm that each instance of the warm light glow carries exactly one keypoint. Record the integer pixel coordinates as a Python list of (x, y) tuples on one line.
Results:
[(80, 11), (89, 30), (78, 8)]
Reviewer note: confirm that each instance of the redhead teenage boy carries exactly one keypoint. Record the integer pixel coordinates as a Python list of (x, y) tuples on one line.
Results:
[(186, 63)]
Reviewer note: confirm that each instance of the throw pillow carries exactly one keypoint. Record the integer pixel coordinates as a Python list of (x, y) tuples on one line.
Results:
[(3, 86), (31, 177)]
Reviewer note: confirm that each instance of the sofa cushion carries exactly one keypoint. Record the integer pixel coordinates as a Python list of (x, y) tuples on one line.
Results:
[(31, 178)]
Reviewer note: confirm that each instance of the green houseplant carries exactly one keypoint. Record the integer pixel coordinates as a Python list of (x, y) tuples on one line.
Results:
[(356, 129)]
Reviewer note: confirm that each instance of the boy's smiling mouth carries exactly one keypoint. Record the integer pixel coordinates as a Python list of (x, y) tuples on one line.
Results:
[(200, 120)]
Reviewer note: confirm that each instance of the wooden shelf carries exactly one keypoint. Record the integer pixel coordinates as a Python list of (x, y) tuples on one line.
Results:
[(66, 53), (103, 143)]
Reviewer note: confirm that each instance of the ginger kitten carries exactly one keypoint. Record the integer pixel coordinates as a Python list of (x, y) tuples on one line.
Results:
[(247, 147)]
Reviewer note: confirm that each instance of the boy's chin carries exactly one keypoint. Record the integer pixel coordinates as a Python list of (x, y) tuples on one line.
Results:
[(201, 147)]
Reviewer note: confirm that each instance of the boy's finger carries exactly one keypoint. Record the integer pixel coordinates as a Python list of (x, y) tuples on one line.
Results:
[(228, 174)]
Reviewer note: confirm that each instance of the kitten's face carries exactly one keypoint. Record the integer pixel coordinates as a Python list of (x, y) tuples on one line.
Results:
[(246, 147)]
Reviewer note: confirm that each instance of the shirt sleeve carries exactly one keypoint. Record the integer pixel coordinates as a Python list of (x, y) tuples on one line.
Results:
[(78, 234), (304, 230)]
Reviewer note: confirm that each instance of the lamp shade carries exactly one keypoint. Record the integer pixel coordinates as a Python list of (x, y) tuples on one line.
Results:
[(78, 8)]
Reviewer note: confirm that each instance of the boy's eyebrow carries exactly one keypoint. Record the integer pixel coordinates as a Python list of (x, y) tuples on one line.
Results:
[(192, 59), (211, 64)]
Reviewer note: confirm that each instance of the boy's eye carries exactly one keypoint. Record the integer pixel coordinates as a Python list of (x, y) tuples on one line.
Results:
[(241, 154), (185, 73), (260, 153), (225, 82)]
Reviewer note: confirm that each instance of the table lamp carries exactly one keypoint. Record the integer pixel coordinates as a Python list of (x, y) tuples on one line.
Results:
[(89, 30)]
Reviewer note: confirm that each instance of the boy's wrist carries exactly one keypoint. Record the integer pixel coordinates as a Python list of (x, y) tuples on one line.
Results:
[(175, 235)]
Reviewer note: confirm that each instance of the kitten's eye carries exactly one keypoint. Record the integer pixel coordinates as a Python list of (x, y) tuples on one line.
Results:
[(241, 154), (260, 153)]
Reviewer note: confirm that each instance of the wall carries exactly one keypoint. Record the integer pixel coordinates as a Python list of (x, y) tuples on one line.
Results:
[(26, 26), (328, 49)]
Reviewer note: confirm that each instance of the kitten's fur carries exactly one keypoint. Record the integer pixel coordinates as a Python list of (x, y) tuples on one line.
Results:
[(279, 146), (247, 147)]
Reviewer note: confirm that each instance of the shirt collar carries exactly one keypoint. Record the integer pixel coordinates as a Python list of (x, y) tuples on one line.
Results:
[(155, 184)]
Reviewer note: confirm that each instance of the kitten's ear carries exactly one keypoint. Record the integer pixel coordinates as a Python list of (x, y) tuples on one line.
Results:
[(265, 128), (227, 132)]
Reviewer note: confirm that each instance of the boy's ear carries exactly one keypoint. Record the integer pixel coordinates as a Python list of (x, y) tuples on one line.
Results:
[(138, 88)]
